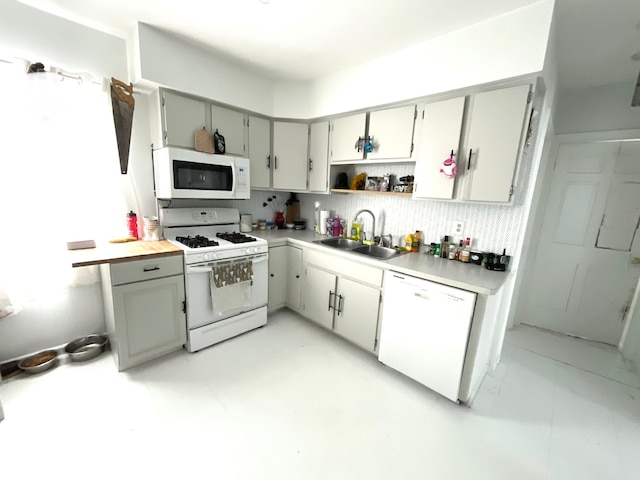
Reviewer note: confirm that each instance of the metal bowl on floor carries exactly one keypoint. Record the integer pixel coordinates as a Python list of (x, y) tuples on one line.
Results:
[(86, 348), (39, 362)]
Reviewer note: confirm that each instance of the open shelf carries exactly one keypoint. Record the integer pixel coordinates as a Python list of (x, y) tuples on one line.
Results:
[(374, 192)]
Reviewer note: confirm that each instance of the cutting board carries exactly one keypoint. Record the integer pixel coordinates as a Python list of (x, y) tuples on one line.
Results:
[(204, 141)]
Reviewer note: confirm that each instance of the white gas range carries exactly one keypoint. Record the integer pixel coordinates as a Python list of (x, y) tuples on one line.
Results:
[(226, 273)]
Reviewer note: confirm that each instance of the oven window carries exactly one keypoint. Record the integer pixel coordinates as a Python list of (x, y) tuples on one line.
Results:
[(200, 176)]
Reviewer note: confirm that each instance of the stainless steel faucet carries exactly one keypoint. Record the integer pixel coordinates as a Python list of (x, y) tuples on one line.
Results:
[(373, 217)]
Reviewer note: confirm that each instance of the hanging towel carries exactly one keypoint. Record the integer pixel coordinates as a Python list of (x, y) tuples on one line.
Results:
[(230, 284)]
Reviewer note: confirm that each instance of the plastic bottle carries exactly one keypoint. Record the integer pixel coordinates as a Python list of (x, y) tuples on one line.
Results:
[(316, 217), (436, 250), (415, 243), (408, 241), (336, 225), (355, 231), (132, 224), (452, 251), (465, 256), (444, 247), (459, 250)]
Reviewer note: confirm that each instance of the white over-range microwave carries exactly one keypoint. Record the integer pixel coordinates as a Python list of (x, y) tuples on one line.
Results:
[(181, 173)]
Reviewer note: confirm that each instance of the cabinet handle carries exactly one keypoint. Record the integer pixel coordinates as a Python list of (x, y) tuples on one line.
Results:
[(297, 276), (310, 164), (268, 161), (341, 298), (469, 162), (184, 307), (275, 162), (151, 269), (330, 294), (272, 275)]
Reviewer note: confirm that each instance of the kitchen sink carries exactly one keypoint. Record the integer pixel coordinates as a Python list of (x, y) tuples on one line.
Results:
[(339, 242), (378, 251)]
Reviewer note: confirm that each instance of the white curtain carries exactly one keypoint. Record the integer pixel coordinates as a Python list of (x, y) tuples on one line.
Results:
[(59, 181)]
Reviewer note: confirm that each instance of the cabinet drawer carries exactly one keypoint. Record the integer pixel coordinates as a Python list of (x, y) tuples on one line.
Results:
[(147, 269), (343, 267)]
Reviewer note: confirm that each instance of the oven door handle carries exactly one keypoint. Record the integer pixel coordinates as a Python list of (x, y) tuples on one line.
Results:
[(205, 268)]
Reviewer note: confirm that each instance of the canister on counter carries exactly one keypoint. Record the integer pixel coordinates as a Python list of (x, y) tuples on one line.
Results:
[(476, 257), (487, 261)]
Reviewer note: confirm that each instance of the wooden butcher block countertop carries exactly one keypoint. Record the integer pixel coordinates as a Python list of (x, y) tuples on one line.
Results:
[(122, 252)]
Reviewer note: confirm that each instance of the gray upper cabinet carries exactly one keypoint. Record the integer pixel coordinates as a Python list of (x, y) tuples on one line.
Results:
[(439, 134), (182, 116), (290, 146), (496, 131), (319, 157), (260, 152), (345, 132), (231, 125), (391, 132)]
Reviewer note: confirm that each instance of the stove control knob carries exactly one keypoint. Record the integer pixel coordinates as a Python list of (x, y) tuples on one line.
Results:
[(209, 256), (249, 251)]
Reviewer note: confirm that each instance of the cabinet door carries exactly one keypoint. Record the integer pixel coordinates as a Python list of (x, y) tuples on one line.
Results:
[(260, 152), (319, 291), (149, 319), (319, 157), (277, 276), (182, 117), (345, 132), (230, 124), (290, 141), (495, 133), (391, 132), (357, 313), (439, 136), (294, 277)]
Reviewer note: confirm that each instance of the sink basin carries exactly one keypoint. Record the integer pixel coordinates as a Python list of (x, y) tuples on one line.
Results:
[(339, 242), (378, 251)]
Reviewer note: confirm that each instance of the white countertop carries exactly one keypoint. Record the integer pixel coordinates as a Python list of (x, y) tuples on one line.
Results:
[(466, 276)]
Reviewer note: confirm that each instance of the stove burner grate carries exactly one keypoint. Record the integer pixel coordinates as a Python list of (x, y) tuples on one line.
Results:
[(236, 237), (197, 242)]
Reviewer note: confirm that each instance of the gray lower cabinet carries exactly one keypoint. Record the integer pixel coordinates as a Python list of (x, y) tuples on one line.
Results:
[(343, 296), (144, 302), (277, 276)]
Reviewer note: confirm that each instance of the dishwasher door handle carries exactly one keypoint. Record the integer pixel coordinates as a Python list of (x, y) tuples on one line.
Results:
[(421, 295)]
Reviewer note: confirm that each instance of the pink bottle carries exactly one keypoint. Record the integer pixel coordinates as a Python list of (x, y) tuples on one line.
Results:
[(336, 225)]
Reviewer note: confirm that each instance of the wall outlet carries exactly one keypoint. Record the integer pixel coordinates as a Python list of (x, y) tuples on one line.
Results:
[(457, 227)]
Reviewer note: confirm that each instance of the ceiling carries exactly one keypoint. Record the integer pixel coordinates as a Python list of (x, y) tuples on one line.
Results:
[(303, 39)]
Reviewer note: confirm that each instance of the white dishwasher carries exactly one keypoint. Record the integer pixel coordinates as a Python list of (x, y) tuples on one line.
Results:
[(425, 330)]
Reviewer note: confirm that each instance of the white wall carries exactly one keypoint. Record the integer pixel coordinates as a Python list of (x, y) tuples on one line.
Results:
[(26, 32), (174, 63), (597, 109), (37, 36), (507, 46)]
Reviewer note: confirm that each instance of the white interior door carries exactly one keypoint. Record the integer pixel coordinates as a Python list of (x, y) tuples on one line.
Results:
[(586, 266)]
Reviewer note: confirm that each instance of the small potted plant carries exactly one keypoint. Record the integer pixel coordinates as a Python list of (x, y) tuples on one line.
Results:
[(278, 218)]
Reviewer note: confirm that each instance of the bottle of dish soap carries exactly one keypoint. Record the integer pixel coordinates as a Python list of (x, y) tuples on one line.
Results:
[(408, 241), (355, 231)]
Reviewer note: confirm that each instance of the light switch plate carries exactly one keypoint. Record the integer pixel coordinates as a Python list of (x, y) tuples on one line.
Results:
[(457, 227)]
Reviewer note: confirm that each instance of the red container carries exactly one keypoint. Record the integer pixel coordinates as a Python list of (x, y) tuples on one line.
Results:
[(132, 224)]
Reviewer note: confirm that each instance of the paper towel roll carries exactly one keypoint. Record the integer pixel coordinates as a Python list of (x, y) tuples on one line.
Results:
[(246, 222), (324, 215)]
